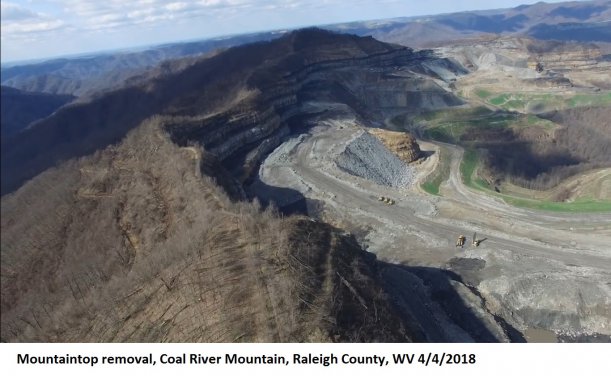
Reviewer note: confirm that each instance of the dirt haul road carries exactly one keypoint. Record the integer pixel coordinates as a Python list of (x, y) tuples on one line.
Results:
[(531, 269)]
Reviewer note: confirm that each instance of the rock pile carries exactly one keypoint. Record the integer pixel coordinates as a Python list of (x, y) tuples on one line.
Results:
[(367, 157)]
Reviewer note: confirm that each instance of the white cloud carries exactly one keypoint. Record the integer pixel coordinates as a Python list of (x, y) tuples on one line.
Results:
[(32, 27), (113, 14), (95, 14), (14, 12), (18, 21), (176, 6)]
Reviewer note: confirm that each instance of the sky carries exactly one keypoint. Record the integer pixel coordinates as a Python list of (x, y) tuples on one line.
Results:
[(37, 29)]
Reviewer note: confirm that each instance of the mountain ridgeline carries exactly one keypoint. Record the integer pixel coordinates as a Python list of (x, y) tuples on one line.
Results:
[(584, 21), (80, 76), (232, 102), (124, 219)]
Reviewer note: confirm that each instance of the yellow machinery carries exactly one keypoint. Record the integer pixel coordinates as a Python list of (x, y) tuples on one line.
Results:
[(461, 241), (386, 200), (476, 242)]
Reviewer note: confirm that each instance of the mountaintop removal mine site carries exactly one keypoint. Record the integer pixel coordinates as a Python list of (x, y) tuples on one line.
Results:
[(316, 186)]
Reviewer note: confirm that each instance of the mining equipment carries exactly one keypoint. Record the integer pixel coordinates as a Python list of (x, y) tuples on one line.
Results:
[(461, 241), (476, 242), (386, 200)]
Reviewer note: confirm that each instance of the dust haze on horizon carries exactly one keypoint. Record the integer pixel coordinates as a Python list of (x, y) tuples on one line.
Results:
[(37, 30)]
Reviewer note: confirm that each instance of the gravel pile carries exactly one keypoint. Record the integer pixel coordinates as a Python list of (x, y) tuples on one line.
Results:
[(368, 158)]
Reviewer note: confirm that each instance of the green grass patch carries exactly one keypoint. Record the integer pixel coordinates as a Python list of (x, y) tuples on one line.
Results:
[(432, 187), (440, 134), (499, 100), (482, 93), (544, 102), (450, 125), (532, 119), (515, 104), (581, 100), (467, 170), (578, 206), (467, 166), (454, 114), (437, 177), (482, 183)]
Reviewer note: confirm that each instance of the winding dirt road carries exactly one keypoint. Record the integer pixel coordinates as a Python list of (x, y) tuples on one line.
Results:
[(460, 211), (525, 250)]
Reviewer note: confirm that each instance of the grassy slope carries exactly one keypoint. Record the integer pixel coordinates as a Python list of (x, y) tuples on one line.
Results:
[(449, 125), (441, 174), (525, 101), (468, 168)]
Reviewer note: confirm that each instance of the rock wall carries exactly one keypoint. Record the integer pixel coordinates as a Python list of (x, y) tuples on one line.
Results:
[(244, 135)]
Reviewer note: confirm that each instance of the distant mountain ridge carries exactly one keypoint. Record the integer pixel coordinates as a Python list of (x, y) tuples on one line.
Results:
[(84, 75), (587, 21)]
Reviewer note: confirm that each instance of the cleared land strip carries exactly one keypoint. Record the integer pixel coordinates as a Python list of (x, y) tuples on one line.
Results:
[(530, 264), (362, 195)]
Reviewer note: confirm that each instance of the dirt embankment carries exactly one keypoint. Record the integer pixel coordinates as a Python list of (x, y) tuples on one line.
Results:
[(402, 144)]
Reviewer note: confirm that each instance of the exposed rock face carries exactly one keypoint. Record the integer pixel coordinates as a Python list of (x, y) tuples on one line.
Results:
[(402, 144), (252, 93), (519, 52), (242, 136), (561, 64)]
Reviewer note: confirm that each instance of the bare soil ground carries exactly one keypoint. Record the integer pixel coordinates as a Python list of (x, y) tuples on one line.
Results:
[(516, 271)]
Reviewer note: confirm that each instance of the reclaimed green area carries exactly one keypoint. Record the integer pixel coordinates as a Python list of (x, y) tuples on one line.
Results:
[(482, 93), (528, 102), (460, 114), (577, 206), (441, 174), (468, 168), (581, 100), (451, 125)]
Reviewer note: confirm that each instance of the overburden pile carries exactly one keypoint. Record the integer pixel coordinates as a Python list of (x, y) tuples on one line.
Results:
[(368, 158)]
